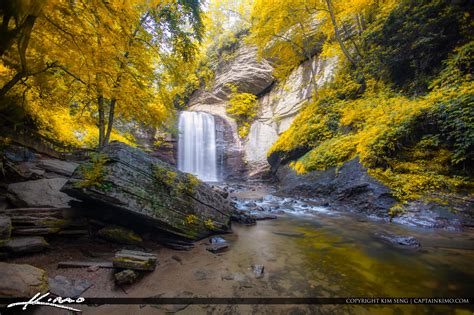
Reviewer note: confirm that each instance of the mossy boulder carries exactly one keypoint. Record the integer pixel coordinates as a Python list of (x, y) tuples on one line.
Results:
[(23, 281), (128, 187), (120, 235)]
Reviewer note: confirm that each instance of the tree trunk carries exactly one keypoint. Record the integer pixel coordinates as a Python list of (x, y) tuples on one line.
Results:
[(100, 103), (110, 124), (10, 84), (337, 34)]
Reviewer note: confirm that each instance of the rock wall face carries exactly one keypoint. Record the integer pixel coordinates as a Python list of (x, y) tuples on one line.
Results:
[(281, 104), (249, 75), (278, 103), (245, 71)]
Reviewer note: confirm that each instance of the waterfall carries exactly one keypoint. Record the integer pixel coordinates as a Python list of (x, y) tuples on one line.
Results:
[(197, 145)]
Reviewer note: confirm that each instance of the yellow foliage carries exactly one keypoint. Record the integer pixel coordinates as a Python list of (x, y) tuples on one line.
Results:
[(209, 224), (243, 108), (93, 172), (190, 219), (371, 127)]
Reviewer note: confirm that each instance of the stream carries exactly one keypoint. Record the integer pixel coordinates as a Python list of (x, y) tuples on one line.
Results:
[(310, 251)]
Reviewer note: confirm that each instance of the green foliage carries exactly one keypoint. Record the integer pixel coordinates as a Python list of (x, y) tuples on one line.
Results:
[(94, 173), (408, 47), (243, 108), (420, 147)]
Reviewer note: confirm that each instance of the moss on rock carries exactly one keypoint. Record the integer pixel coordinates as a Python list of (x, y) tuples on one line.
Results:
[(120, 235)]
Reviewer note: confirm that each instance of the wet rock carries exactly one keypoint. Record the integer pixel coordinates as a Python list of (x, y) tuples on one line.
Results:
[(243, 218), (400, 241), (66, 287), (289, 234), (125, 277), (120, 235), (263, 216), (351, 188), (5, 228), (217, 247), (25, 245), (217, 240), (457, 214), (140, 191), (39, 193), (135, 260), (258, 270), (22, 280)]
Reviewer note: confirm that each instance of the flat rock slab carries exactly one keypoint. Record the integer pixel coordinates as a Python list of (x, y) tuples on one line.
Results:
[(57, 166), (5, 228), (23, 245), (65, 287), (400, 241), (135, 260), (39, 193), (22, 280)]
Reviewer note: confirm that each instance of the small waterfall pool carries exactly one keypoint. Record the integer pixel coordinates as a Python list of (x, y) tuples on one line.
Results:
[(197, 153)]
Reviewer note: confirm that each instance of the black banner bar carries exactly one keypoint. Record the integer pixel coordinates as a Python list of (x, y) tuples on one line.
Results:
[(261, 300)]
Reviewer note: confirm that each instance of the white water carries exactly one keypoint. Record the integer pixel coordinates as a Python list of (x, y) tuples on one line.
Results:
[(197, 145)]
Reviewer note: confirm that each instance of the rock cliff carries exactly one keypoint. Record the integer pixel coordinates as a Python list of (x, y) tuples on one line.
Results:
[(278, 103)]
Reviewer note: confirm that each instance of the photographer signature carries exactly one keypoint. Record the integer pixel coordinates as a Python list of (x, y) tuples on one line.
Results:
[(57, 302)]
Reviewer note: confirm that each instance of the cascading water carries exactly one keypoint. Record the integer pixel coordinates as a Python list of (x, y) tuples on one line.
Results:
[(197, 152)]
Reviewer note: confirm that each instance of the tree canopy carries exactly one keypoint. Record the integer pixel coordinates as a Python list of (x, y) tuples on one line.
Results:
[(80, 66)]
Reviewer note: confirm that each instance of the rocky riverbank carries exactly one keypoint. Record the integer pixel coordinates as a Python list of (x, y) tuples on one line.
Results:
[(309, 251), (119, 195)]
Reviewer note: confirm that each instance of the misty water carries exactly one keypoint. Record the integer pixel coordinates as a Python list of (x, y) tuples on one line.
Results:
[(197, 145)]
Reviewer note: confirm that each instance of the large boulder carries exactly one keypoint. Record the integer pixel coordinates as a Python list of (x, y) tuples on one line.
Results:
[(128, 187), (39, 193), (348, 188), (22, 280)]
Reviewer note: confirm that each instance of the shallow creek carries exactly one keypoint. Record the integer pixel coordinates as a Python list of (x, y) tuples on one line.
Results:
[(308, 251)]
